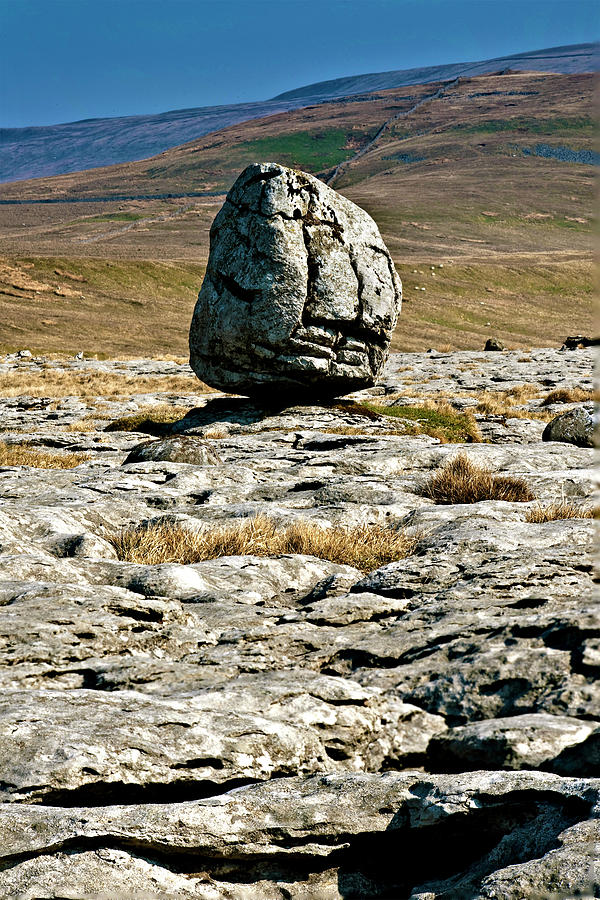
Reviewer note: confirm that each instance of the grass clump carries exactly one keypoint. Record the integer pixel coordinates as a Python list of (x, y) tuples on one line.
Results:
[(460, 480), (569, 395), (439, 420), (154, 420), (26, 455), (510, 403), (562, 510), (366, 547)]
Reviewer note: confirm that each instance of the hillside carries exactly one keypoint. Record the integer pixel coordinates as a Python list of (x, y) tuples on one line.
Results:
[(568, 59), (58, 149), (489, 180)]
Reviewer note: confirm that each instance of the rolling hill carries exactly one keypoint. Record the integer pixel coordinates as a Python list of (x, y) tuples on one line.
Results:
[(55, 149), (569, 59), (483, 189)]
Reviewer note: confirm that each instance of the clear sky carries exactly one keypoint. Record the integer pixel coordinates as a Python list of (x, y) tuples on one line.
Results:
[(64, 60)]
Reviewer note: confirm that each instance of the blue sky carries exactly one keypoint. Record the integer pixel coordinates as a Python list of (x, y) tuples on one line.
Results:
[(64, 60)]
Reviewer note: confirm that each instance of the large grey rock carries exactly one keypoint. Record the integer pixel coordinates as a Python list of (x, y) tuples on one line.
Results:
[(300, 294), (576, 426)]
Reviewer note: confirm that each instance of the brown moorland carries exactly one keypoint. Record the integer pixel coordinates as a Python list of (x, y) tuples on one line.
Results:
[(499, 237)]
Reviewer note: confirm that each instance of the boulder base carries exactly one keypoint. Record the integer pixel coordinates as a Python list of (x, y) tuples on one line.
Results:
[(300, 296)]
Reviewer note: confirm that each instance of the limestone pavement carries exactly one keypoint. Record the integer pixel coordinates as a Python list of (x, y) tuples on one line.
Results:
[(270, 728)]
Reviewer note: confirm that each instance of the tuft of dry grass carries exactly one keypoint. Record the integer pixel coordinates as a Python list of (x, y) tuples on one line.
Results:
[(570, 395), (351, 407), (562, 510), (366, 547), (51, 382), (26, 455), (460, 480), (523, 392), (509, 403), (82, 426), (154, 420)]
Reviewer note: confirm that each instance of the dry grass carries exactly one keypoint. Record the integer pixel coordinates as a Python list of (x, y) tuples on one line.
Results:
[(61, 383), (510, 403), (82, 426), (570, 395), (366, 547), (154, 420), (462, 481), (494, 407), (563, 510), (26, 455)]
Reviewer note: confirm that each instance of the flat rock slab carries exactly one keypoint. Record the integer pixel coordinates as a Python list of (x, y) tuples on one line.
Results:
[(328, 836), (83, 745)]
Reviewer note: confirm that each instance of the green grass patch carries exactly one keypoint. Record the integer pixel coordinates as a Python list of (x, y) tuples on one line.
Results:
[(440, 421), (310, 150), (555, 125)]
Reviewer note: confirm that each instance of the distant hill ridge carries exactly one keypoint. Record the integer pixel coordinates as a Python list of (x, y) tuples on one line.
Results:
[(90, 143), (575, 58)]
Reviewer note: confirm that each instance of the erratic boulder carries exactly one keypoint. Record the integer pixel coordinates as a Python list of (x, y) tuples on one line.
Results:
[(300, 296)]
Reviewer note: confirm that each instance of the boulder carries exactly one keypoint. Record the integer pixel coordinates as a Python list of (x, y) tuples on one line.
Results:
[(494, 344), (300, 296), (577, 341), (576, 426), (180, 448)]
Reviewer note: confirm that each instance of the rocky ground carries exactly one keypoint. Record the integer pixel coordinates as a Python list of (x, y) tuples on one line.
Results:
[(265, 729)]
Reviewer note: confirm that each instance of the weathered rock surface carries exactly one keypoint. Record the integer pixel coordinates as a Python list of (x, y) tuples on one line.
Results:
[(300, 294), (535, 741), (259, 729), (576, 426), (332, 836), (180, 448)]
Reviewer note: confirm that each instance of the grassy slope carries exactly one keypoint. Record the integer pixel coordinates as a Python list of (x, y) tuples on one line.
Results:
[(513, 231), (122, 308)]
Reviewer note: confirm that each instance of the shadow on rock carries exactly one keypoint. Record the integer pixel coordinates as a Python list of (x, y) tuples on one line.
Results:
[(233, 410)]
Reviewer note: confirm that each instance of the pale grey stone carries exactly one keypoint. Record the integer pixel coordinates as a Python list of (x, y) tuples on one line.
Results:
[(490, 630), (300, 294), (519, 742), (104, 746), (307, 836), (183, 449)]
